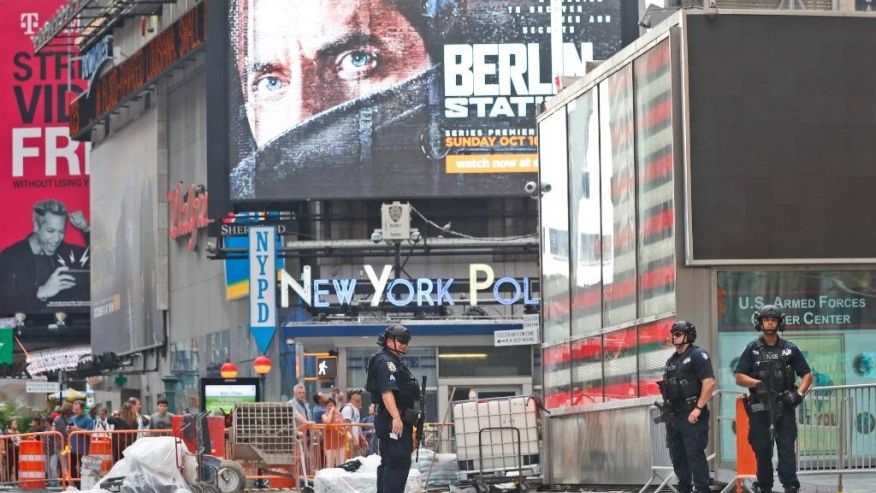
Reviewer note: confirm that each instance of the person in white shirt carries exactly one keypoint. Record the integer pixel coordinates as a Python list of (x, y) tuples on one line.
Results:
[(352, 414)]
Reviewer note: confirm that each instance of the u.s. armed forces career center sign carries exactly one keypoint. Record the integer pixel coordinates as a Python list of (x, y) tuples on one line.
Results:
[(423, 291)]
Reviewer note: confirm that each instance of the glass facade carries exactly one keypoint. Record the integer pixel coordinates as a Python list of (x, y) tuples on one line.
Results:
[(830, 315), (616, 270)]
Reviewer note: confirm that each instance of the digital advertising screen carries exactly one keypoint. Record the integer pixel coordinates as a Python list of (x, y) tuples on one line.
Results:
[(219, 395), (44, 176), (338, 99)]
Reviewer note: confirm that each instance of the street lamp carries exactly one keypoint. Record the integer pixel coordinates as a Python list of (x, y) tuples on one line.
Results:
[(228, 371), (262, 365)]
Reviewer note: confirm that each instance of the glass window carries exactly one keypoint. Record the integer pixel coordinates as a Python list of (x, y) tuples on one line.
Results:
[(618, 183), (485, 361), (555, 228), (621, 378), (587, 370), (655, 347), (829, 315), (557, 377), (586, 272), (656, 242)]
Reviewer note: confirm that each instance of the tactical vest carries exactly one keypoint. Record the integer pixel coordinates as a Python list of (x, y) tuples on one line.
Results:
[(772, 366), (408, 396), (680, 386)]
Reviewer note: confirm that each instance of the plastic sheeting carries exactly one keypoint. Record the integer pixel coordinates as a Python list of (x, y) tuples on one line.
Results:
[(152, 465), (364, 480), (436, 469)]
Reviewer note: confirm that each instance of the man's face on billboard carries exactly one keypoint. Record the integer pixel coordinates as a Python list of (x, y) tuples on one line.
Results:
[(49, 230), (307, 56)]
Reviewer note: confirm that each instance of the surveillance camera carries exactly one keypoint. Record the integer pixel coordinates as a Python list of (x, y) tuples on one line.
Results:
[(415, 236), (376, 236), (531, 188), (546, 188)]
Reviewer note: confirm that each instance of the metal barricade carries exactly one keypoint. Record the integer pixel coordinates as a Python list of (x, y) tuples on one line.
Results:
[(32, 460), (82, 444), (661, 463), (836, 431)]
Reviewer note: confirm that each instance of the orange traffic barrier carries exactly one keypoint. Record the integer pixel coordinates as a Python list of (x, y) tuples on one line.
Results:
[(103, 449), (32, 464), (746, 463)]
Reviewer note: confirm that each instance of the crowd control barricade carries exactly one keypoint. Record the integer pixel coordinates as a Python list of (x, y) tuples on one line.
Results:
[(661, 463), (32, 460), (102, 448), (836, 431)]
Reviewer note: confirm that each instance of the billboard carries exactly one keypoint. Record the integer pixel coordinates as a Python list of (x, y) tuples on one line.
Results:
[(390, 98), (125, 315), (44, 256)]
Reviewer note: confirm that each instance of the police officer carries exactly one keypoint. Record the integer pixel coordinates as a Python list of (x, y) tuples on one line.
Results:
[(767, 368), (688, 382), (395, 392)]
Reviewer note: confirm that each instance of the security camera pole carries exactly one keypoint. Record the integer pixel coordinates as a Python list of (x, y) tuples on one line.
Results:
[(396, 228)]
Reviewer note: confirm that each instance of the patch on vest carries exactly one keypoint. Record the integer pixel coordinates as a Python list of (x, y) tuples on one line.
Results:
[(391, 366), (705, 355)]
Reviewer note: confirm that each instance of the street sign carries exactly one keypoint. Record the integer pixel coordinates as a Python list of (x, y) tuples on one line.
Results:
[(6, 345), (42, 387), (327, 367), (516, 337)]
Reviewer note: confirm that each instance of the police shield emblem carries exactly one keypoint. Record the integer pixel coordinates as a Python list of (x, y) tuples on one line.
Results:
[(395, 213), (391, 366)]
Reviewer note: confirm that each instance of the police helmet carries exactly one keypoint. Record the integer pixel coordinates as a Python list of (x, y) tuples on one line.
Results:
[(689, 329), (769, 311), (397, 332)]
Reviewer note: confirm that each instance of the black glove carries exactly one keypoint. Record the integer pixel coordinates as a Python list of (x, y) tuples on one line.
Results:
[(760, 390), (792, 399)]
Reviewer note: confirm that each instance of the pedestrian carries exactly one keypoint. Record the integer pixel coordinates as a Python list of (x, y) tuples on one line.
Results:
[(101, 423), (161, 420), (142, 420), (318, 406), (368, 430), (122, 437), (768, 368), (303, 414), (395, 390), (335, 436), (80, 421), (54, 445), (688, 382), (351, 413), (11, 449)]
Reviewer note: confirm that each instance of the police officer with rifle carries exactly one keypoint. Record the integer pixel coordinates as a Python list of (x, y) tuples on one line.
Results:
[(768, 367), (397, 396), (688, 382)]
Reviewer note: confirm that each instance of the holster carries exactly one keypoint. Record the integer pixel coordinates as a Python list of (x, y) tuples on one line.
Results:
[(409, 416)]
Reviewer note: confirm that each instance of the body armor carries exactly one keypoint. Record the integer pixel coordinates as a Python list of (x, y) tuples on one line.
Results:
[(680, 387), (773, 367)]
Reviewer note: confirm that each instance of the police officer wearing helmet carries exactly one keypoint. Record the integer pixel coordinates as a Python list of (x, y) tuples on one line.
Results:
[(688, 382), (768, 367), (395, 392)]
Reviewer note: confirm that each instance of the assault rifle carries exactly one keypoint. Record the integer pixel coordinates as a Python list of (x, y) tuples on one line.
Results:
[(768, 398), (421, 419)]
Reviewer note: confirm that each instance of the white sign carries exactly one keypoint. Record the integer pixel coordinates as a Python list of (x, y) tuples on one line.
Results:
[(262, 277), (515, 337), (42, 387)]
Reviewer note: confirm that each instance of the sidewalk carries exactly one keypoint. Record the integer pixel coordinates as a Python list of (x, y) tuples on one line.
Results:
[(827, 483)]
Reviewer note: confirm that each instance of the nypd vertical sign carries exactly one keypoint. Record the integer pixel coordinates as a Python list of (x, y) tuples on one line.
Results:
[(262, 285)]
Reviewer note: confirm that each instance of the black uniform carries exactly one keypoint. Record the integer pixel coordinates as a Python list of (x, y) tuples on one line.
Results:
[(776, 367), (681, 386), (387, 372)]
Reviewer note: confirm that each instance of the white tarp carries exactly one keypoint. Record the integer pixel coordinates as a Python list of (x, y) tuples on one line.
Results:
[(363, 480)]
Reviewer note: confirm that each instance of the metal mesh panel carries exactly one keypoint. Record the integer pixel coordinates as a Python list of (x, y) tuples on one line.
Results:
[(265, 431)]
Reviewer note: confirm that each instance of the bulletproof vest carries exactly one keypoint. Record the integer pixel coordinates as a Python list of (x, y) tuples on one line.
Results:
[(409, 391), (680, 386), (773, 366)]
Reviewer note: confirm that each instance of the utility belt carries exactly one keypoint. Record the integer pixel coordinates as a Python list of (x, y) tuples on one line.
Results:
[(683, 405), (409, 416)]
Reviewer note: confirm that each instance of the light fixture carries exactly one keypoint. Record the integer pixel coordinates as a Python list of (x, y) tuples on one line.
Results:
[(228, 370), (61, 319), (20, 318), (462, 356), (262, 365)]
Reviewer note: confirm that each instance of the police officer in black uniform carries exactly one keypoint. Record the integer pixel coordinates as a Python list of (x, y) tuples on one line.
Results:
[(395, 392), (767, 368), (688, 382)]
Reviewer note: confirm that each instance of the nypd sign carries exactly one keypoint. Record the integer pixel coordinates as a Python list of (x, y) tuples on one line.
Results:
[(262, 288)]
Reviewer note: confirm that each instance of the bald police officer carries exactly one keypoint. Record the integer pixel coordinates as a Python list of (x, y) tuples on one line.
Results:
[(688, 382), (395, 392), (767, 367)]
